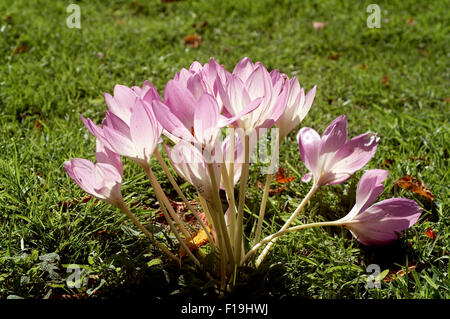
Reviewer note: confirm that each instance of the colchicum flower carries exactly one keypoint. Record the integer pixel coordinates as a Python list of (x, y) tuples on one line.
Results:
[(248, 83), (297, 104), (379, 223), (102, 180), (332, 159)]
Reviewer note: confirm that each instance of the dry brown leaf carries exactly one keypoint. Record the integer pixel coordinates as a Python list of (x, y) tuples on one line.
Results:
[(385, 80), (415, 186), (276, 191), (20, 49), (392, 275), (192, 40), (280, 176), (334, 57)]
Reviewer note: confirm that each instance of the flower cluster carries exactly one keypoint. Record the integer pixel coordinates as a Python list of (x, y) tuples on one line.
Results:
[(198, 106)]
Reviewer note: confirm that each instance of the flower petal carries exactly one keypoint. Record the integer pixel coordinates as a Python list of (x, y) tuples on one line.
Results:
[(309, 145)]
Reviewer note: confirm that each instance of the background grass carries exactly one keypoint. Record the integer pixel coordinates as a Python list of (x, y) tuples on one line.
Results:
[(50, 73)]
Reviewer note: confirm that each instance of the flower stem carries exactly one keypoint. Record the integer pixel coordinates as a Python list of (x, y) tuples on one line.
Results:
[(262, 208), (123, 206), (273, 237), (305, 200), (242, 189), (184, 199), (164, 200)]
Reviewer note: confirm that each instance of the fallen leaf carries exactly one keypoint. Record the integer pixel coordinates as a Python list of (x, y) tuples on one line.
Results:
[(334, 57), (37, 125), (419, 158), (415, 186), (197, 240), (121, 22), (424, 52), (387, 163), (447, 100), (411, 21), (363, 66), (318, 25), (385, 80), (280, 176), (192, 40), (271, 191), (20, 49), (430, 233), (393, 275), (73, 202)]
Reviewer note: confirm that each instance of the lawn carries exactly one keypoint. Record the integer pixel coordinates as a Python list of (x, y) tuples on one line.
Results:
[(391, 80)]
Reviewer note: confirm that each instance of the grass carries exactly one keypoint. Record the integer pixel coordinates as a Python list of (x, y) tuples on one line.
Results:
[(50, 73)]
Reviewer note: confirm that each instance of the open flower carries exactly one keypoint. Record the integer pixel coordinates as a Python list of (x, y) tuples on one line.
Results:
[(297, 104), (137, 140), (332, 159), (102, 180), (124, 99), (379, 223), (248, 83)]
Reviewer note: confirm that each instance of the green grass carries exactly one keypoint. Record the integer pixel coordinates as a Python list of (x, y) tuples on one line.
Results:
[(60, 75)]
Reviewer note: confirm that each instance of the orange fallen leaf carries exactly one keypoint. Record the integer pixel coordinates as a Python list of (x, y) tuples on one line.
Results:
[(411, 21), (192, 40), (276, 191), (385, 80), (447, 100), (199, 239), (393, 275), (415, 186), (318, 25), (280, 176), (430, 233)]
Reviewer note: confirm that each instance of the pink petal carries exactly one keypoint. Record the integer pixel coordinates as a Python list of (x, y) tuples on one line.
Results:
[(243, 69), (105, 155), (355, 154), (170, 121), (370, 186), (380, 223), (180, 102), (335, 136), (309, 145), (143, 131), (206, 118)]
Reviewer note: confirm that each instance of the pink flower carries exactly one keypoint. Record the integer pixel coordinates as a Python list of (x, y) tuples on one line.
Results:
[(102, 180), (379, 223), (136, 140), (124, 99), (332, 159), (248, 83), (192, 109), (297, 105)]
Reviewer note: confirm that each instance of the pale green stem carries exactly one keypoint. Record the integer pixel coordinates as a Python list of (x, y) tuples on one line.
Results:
[(242, 189), (288, 230), (220, 215), (262, 208), (232, 205), (163, 199), (231, 154), (305, 200), (180, 193), (123, 206)]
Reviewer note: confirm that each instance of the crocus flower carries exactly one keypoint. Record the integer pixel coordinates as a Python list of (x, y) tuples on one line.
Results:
[(332, 159), (137, 140), (249, 82), (124, 99), (379, 223), (102, 180), (190, 112), (297, 105)]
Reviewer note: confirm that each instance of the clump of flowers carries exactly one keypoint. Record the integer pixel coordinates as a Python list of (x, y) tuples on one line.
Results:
[(212, 120)]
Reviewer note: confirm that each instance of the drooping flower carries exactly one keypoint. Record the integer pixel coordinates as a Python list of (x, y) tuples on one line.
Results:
[(332, 159), (379, 223), (136, 140), (102, 180), (297, 104), (248, 83)]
